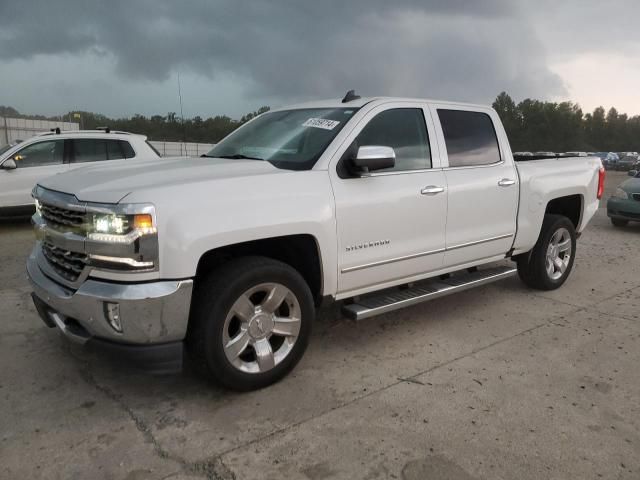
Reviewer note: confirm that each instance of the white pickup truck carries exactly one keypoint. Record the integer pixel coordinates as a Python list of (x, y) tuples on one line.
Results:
[(377, 202)]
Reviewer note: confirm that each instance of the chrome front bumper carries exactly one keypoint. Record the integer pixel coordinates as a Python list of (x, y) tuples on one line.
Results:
[(150, 313)]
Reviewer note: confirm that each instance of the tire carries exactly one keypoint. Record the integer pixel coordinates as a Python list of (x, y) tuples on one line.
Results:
[(618, 222), (533, 266), (250, 304)]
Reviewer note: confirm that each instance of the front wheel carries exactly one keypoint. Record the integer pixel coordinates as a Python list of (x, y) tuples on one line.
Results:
[(250, 323), (548, 265)]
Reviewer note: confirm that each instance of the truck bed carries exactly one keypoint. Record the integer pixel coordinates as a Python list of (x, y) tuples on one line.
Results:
[(549, 178)]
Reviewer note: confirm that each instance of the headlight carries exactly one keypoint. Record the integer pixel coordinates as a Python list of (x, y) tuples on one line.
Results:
[(124, 237), (110, 223), (118, 228), (620, 193)]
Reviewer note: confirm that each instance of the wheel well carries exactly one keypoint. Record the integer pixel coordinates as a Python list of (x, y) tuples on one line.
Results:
[(569, 206), (299, 251)]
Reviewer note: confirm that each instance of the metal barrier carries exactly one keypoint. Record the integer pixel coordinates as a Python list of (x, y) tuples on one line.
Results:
[(17, 129), (181, 149)]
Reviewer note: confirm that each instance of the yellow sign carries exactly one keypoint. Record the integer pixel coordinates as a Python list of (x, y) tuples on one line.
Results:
[(76, 115)]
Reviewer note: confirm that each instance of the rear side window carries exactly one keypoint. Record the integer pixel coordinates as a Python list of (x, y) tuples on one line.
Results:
[(470, 138), (114, 150), (89, 150), (97, 150), (127, 149), (404, 130)]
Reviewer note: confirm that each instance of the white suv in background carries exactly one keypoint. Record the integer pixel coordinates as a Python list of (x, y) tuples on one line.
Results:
[(26, 163)]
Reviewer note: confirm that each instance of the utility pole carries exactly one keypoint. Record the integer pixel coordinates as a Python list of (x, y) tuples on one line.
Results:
[(6, 131), (184, 132)]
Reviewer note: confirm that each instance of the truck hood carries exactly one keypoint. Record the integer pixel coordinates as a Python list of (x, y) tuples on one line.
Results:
[(111, 183)]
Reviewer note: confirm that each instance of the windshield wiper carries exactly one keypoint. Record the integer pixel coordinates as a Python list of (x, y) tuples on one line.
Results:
[(239, 156)]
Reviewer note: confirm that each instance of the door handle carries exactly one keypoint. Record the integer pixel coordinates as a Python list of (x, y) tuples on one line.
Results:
[(431, 190), (506, 182)]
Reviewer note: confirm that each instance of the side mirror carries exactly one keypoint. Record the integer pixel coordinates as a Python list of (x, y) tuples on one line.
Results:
[(9, 164), (632, 173), (374, 157)]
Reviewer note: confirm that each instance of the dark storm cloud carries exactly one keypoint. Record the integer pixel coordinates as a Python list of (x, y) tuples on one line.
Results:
[(293, 49)]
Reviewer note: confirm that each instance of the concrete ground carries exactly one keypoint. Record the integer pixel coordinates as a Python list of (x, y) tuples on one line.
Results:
[(500, 382)]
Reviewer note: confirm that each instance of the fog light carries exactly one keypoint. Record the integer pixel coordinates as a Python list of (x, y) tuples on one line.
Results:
[(112, 312)]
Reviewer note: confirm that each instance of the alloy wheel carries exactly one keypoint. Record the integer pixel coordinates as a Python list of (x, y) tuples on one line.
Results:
[(261, 328), (558, 254)]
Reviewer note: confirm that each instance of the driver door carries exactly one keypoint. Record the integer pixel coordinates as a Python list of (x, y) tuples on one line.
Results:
[(390, 223)]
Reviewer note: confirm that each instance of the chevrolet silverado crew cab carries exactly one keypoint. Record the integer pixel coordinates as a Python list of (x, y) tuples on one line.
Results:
[(22, 165), (379, 203)]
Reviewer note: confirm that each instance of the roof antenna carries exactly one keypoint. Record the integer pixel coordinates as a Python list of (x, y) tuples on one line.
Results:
[(351, 95)]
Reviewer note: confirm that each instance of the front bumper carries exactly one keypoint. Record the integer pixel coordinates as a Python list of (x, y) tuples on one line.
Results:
[(153, 315), (625, 209)]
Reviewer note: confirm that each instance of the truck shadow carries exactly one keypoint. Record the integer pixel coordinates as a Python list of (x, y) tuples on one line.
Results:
[(17, 222), (631, 227)]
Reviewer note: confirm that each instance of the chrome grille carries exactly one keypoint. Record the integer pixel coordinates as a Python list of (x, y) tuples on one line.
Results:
[(61, 217), (67, 264)]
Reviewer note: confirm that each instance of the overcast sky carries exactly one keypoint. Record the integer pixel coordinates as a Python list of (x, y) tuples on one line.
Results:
[(122, 57)]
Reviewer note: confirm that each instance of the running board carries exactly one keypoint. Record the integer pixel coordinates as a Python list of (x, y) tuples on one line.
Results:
[(391, 299)]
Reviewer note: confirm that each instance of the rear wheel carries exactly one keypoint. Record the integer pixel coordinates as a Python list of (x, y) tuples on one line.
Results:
[(548, 265), (250, 323), (618, 222)]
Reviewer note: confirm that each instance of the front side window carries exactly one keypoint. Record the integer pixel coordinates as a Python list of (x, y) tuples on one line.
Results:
[(404, 130), (40, 154), (89, 150), (289, 139), (470, 138)]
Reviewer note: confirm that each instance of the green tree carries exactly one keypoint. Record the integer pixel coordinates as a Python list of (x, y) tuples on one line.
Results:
[(534, 125), (531, 125), (510, 116)]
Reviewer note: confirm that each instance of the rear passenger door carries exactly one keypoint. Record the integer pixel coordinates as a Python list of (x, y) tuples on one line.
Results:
[(482, 184)]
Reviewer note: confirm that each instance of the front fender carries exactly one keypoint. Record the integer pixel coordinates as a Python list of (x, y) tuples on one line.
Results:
[(242, 210)]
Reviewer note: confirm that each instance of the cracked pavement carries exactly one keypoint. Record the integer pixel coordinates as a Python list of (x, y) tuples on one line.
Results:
[(496, 382)]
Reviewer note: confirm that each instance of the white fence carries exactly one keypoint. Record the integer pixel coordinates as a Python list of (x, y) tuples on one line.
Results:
[(14, 129), (180, 149)]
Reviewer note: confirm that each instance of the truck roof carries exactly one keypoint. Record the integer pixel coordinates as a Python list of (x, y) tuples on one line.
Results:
[(361, 101)]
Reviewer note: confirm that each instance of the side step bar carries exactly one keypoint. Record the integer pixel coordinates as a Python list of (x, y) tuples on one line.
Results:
[(388, 300)]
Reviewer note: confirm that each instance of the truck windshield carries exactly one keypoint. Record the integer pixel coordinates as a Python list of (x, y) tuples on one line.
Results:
[(289, 139)]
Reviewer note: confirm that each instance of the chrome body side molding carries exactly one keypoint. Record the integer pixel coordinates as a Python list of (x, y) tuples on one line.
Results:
[(422, 254)]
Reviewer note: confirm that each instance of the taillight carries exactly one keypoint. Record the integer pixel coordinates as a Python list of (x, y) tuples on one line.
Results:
[(601, 174)]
